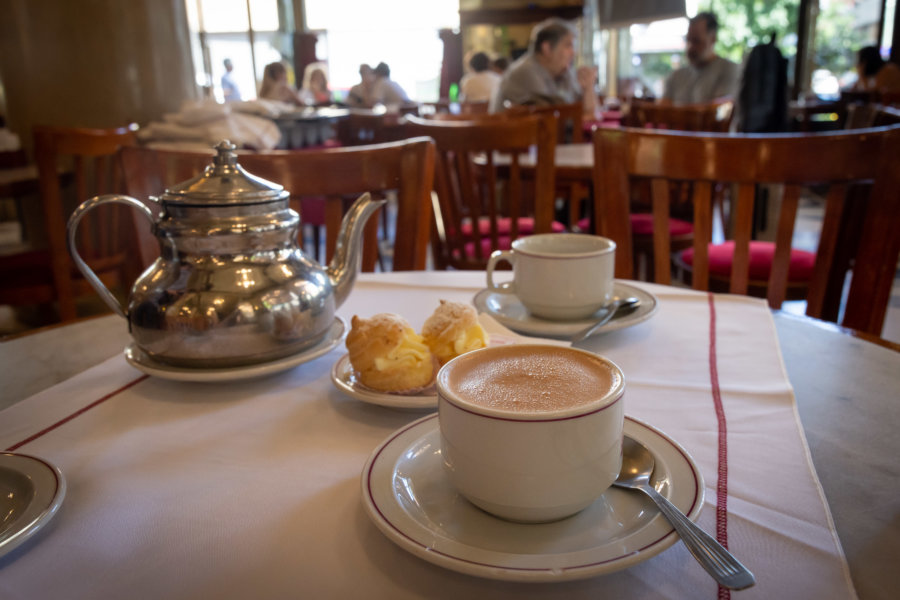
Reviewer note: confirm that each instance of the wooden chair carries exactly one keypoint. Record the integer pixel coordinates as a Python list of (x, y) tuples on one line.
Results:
[(569, 119), (471, 218), (405, 168), (714, 116), (886, 115), (859, 231), (42, 276), (368, 126), (648, 114), (473, 108)]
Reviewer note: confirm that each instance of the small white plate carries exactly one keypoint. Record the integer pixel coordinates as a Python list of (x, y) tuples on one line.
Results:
[(344, 378), (509, 311), (31, 492), (138, 359), (408, 497)]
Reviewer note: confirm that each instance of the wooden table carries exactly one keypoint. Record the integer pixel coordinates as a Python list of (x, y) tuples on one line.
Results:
[(847, 396)]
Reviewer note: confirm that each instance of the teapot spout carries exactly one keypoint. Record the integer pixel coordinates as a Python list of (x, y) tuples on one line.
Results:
[(348, 252)]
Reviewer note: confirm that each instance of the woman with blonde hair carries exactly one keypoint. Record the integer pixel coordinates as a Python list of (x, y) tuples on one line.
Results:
[(275, 85), (315, 85)]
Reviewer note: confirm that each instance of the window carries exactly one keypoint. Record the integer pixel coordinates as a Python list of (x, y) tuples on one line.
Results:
[(400, 33), (250, 33)]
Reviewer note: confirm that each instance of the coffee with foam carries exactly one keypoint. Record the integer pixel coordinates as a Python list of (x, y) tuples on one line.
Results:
[(530, 379)]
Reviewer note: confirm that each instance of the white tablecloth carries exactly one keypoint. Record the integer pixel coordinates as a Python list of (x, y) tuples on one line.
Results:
[(251, 489)]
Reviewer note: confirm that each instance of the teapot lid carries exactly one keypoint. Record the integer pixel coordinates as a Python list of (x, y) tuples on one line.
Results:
[(225, 182)]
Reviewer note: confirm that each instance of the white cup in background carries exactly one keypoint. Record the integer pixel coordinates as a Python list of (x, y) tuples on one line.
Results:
[(559, 276), (531, 432)]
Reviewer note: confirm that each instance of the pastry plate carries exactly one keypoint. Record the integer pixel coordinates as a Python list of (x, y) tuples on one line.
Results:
[(31, 492), (138, 359), (508, 310), (408, 497), (344, 378)]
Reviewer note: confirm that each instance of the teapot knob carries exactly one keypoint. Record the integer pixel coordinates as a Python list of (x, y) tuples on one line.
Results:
[(225, 154)]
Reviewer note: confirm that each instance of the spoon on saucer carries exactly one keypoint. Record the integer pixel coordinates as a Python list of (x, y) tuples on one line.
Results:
[(617, 306), (637, 466)]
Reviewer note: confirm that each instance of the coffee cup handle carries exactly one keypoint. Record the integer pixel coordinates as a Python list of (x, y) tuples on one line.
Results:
[(505, 287)]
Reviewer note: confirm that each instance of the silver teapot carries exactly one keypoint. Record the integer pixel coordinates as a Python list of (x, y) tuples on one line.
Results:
[(231, 286)]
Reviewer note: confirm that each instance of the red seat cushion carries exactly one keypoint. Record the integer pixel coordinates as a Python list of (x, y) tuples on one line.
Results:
[(312, 210), (642, 224), (721, 257), (504, 242), (504, 226)]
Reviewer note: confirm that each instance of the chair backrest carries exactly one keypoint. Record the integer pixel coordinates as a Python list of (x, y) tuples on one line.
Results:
[(863, 226), (405, 168), (569, 119), (887, 115), (105, 233), (473, 108), (714, 117), (474, 159), (366, 126)]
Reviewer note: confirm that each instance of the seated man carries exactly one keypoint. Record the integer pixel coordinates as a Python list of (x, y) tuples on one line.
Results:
[(708, 77), (385, 90), (360, 94), (544, 75), (481, 83)]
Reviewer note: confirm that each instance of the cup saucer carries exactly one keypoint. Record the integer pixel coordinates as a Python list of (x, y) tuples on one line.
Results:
[(508, 310), (408, 497)]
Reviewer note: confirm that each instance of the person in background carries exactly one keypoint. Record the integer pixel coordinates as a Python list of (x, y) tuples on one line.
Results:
[(544, 75), (275, 85), (229, 87), (708, 77), (360, 95), (385, 90), (315, 85), (481, 83), (876, 75), (500, 65)]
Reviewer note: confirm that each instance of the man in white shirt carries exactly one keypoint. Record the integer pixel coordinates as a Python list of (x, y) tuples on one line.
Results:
[(385, 90), (480, 84), (544, 75), (708, 77)]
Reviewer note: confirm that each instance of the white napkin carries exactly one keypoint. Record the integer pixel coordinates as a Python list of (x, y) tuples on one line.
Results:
[(499, 335), (209, 123)]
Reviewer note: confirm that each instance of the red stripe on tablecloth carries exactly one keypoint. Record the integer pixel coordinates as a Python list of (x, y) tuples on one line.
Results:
[(722, 482), (81, 411)]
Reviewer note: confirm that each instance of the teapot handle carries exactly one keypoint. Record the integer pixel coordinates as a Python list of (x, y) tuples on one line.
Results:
[(88, 273)]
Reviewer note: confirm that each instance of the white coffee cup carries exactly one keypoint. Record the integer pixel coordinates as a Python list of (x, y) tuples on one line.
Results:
[(531, 432), (559, 276)]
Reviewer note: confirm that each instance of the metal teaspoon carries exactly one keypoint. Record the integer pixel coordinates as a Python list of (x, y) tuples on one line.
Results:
[(616, 306), (637, 466)]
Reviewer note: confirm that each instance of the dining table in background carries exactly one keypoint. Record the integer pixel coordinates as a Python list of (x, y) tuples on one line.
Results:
[(252, 488), (309, 127)]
